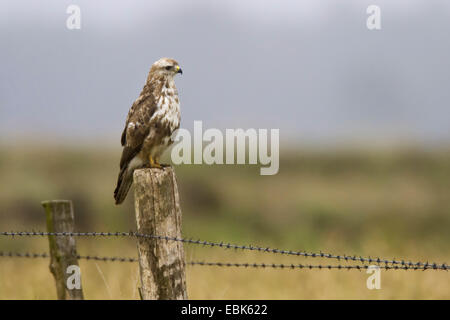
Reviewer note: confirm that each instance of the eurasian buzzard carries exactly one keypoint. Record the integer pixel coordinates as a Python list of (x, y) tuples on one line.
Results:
[(152, 119)]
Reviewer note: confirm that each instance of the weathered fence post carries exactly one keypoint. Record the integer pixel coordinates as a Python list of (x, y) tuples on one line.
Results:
[(63, 252), (161, 262)]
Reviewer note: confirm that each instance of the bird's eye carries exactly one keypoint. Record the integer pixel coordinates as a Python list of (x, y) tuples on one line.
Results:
[(168, 67)]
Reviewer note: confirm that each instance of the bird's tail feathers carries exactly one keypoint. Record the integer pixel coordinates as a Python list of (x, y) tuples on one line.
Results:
[(124, 182), (125, 179)]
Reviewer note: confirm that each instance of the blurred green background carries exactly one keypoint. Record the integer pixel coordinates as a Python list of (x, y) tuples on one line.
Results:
[(319, 199)]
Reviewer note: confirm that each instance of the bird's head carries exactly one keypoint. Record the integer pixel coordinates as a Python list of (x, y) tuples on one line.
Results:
[(166, 67)]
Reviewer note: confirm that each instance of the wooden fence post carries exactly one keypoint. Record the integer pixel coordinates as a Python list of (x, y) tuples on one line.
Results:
[(161, 262), (63, 252)]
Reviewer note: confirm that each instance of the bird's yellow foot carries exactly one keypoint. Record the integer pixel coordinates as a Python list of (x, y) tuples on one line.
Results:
[(154, 163)]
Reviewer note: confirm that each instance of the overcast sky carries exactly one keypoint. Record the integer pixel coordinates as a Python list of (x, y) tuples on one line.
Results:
[(310, 68)]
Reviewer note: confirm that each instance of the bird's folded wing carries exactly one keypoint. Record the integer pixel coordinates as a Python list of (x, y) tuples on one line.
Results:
[(137, 127)]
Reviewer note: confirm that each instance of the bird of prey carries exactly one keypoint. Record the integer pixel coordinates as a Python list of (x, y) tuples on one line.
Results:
[(152, 119)]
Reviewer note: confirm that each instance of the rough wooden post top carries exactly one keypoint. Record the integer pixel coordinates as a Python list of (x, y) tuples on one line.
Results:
[(57, 210), (153, 171), (50, 202)]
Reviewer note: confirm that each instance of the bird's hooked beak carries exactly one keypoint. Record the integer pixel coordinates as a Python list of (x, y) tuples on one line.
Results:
[(178, 69)]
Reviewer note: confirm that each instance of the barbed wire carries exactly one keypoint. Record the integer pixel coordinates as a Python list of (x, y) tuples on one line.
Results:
[(317, 266), (391, 263), (238, 265), (11, 254)]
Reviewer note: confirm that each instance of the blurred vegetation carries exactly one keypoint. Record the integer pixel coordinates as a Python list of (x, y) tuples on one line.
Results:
[(386, 203)]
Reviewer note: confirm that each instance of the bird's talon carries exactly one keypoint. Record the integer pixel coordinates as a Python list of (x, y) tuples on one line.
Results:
[(154, 164)]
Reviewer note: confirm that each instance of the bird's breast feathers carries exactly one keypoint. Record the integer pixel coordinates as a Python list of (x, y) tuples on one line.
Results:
[(167, 113)]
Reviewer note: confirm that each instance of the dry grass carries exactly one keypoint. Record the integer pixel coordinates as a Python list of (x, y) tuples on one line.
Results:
[(31, 279)]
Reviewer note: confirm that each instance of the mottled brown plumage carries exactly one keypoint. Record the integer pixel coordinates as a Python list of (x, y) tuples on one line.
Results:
[(152, 119)]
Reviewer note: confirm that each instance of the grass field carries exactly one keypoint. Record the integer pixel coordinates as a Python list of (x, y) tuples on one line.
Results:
[(387, 204)]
